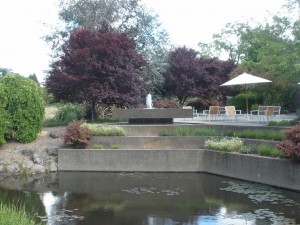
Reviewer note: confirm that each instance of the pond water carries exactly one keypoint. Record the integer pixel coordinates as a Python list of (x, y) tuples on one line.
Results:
[(78, 198)]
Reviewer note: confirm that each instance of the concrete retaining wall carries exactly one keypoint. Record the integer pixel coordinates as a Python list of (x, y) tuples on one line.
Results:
[(277, 172), (130, 160)]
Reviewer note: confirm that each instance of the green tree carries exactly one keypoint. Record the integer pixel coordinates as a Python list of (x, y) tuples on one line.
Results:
[(274, 52), (23, 108), (34, 78), (4, 71)]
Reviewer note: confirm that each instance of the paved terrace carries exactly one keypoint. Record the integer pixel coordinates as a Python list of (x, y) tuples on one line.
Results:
[(240, 120)]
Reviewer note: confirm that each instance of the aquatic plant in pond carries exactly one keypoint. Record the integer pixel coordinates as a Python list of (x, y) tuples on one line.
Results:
[(179, 198)]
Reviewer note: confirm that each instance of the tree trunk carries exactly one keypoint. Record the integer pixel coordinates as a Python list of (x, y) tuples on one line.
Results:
[(93, 110)]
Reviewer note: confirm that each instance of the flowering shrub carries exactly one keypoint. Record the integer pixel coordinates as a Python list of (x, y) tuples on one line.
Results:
[(291, 146), (76, 135)]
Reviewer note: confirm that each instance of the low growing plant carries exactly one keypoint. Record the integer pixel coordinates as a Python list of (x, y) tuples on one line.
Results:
[(114, 146), (104, 130), (12, 214), (266, 150), (225, 144), (284, 122), (98, 146), (77, 136), (257, 134)]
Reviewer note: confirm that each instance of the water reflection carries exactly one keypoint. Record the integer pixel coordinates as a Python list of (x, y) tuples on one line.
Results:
[(157, 199)]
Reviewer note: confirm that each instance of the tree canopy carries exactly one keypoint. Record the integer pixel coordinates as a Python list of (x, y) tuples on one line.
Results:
[(269, 49), (98, 67), (190, 76), (127, 16)]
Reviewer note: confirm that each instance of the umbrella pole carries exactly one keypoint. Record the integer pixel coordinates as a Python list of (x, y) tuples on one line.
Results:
[(246, 99)]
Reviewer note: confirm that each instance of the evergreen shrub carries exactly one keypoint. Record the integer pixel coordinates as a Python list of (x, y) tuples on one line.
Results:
[(239, 101), (22, 108)]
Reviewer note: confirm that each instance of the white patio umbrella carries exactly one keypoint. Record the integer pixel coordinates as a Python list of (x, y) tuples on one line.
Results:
[(245, 79)]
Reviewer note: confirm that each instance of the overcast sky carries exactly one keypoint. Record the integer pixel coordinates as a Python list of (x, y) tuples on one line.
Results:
[(187, 21)]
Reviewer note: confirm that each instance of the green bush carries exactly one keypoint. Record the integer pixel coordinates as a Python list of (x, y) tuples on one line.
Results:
[(12, 215), (239, 101), (266, 150), (69, 112), (225, 144), (22, 108), (76, 135), (104, 130)]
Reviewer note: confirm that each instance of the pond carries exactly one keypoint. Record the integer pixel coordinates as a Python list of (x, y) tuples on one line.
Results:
[(79, 198)]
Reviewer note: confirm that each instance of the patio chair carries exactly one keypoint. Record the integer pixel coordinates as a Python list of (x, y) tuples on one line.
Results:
[(273, 112), (213, 112), (261, 114), (231, 112), (222, 112)]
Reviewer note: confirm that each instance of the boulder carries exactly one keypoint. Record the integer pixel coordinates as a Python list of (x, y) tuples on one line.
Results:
[(38, 169), (13, 168), (52, 166), (27, 152), (54, 135), (27, 164), (52, 151), (37, 159)]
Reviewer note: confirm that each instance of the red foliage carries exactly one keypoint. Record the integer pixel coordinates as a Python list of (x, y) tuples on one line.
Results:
[(98, 67), (203, 104), (188, 75), (163, 103), (76, 135), (291, 146)]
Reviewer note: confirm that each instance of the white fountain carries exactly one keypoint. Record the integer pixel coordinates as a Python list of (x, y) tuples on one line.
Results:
[(149, 101)]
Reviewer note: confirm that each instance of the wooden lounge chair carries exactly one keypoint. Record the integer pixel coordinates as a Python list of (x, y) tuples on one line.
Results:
[(261, 114), (213, 112), (231, 112)]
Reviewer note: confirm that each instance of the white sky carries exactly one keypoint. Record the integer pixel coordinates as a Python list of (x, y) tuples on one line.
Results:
[(187, 21)]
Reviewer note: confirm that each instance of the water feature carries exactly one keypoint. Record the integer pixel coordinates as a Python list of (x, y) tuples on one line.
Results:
[(151, 199), (149, 103)]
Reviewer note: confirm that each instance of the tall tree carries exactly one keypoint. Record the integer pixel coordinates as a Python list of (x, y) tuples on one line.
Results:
[(124, 15), (98, 67), (228, 41), (190, 76), (4, 71), (34, 78)]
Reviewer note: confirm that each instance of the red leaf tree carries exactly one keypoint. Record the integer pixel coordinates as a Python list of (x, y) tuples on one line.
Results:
[(98, 67), (190, 76)]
